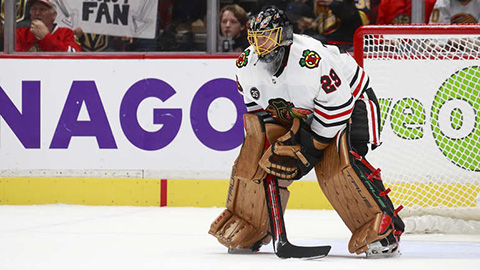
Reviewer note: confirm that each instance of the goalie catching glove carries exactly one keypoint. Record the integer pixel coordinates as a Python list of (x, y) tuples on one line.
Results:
[(294, 154)]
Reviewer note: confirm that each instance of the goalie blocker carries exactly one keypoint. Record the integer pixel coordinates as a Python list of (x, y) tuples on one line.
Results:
[(350, 183)]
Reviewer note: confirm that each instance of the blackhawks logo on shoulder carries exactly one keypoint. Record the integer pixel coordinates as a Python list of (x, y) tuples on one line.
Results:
[(310, 59), (242, 60)]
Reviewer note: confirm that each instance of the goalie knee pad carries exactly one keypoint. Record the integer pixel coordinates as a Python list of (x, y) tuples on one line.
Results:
[(356, 192)]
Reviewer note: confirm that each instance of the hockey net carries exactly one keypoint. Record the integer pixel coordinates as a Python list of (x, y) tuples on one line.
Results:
[(427, 79)]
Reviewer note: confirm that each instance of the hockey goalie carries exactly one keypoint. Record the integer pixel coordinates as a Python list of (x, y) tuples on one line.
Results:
[(309, 107)]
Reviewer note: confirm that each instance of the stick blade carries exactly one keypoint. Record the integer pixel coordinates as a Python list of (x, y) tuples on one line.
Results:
[(288, 250)]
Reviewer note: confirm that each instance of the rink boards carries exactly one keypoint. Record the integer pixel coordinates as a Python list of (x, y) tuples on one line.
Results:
[(125, 130), (143, 130), (138, 192)]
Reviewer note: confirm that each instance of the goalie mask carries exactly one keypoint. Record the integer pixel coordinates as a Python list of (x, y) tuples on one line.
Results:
[(270, 30)]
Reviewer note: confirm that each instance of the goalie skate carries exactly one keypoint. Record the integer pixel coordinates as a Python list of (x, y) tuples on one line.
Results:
[(254, 248), (383, 248)]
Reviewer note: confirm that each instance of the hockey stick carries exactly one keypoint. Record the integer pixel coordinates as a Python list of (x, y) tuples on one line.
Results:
[(281, 246)]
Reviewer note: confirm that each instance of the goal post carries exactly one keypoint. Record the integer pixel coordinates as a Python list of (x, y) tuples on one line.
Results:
[(427, 79)]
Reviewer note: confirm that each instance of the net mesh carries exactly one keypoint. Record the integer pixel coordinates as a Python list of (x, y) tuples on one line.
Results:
[(429, 91), (433, 47)]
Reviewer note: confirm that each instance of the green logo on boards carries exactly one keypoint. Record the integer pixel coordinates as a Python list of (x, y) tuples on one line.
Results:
[(454, 118)]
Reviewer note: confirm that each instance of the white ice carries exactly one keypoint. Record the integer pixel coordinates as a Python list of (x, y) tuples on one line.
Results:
[(108, 237)]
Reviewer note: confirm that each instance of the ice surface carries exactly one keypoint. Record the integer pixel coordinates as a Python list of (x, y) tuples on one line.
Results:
[(111, 237)]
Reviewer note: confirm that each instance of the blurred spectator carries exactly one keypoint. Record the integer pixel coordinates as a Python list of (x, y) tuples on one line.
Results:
[(22, 13), (301, 16), (164, 13), (233, 28), (21, 18), (364, 10), (189, 10), (456, 12), (181, 25), (256, 6), (140, 44), (132, 44), (374, 11), (95, 42), (166, 35), (400, 12), (43, 34), (335, 21), (188, 24)]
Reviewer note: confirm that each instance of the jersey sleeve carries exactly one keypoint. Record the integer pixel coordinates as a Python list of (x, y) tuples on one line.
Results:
[(333, 104), (63, 40), (23, 43), (382, 14), (253, 107), (440, 13)]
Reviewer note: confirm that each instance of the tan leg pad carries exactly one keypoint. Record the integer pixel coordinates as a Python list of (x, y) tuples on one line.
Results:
[(246, 165), (233, 231), (348, 195), (246, 221)]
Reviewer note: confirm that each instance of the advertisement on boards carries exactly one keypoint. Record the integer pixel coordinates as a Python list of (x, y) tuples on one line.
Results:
[(183, 118)]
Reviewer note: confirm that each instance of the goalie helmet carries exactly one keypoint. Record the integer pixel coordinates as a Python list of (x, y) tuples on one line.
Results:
[(269, 30)]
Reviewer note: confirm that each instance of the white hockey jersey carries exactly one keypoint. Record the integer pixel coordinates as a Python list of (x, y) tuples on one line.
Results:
[(455, 12), (317, 80)]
